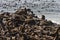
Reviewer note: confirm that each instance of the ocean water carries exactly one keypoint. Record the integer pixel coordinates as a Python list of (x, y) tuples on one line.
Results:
[(49, 8)]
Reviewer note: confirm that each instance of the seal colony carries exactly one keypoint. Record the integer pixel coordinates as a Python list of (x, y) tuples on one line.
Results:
[(24, 25)]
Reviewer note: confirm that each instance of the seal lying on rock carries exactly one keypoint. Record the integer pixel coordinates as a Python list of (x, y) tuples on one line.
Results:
[(21, 11)]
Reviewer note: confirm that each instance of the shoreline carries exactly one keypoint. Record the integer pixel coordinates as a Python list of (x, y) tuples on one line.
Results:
[(51, 20), (55, 22)]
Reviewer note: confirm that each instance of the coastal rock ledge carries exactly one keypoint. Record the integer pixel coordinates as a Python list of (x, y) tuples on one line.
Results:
[(24, 25)]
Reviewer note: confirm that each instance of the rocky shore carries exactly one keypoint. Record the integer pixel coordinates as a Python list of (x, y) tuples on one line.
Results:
[(24, 25)]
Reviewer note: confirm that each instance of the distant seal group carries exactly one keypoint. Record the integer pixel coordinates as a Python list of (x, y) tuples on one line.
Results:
[(24, 25)]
